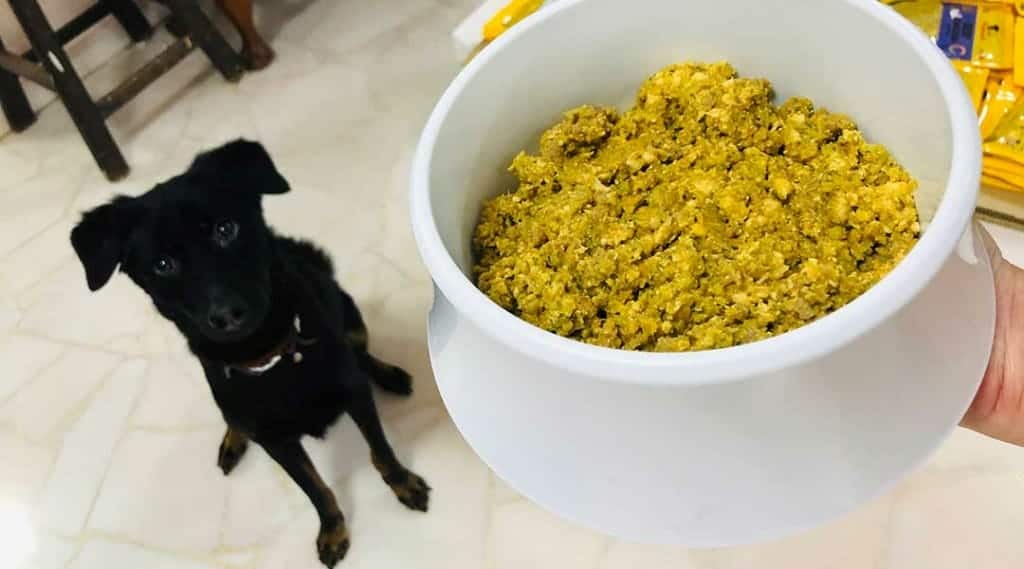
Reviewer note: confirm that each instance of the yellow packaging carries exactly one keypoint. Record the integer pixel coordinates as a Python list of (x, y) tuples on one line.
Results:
[(508, 16), (987, 118), (981, 33), (997, 183), (975, 78), (1004, 168), (1010, 130), (1004, 152), (1018, 50), (1003, 160), (925, 14), (981, 41), (1001, 94), (1008, 171), (993, 36)]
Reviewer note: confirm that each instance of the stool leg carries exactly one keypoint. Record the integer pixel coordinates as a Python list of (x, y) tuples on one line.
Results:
[(76, 98), (131, 18), (15, 104), (207, 38)]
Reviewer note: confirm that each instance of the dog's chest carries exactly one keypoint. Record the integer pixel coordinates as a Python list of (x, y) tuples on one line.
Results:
[(291, 398)]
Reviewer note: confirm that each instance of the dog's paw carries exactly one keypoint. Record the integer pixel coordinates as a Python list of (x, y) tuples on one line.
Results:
[(413, 491), (232, 449), (333, 542)]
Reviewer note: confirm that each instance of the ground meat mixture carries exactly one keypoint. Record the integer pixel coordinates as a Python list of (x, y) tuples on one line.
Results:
[(703, 217)]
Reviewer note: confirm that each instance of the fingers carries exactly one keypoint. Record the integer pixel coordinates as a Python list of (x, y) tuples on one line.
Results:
[(998, 407), (995, 254)]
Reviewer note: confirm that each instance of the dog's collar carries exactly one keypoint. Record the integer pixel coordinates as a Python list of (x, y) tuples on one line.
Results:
[(289, 346)]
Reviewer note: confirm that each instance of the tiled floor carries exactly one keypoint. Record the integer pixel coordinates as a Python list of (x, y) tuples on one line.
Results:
[(108, 435)]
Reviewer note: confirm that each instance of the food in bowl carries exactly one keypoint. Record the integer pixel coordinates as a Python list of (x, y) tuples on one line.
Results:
[(703, 217)]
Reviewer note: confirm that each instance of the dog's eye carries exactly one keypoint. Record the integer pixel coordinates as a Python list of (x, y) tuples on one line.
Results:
[(165, 267), (225, 232)]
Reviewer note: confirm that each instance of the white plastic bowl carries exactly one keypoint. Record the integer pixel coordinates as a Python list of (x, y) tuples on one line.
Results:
[(734, 445)]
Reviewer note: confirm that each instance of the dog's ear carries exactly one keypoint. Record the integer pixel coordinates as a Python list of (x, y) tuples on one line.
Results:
[(100, 236), (244, 165)]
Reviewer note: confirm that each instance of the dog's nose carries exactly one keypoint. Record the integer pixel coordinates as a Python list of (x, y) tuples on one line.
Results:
[(227, 316)]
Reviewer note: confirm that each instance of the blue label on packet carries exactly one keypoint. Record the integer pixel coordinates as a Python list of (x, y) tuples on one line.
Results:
[(956, 30)]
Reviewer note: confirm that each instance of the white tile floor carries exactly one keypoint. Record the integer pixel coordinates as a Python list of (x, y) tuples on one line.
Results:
[(108, 435)]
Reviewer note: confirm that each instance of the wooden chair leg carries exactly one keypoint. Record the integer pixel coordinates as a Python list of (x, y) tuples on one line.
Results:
[(13, 101), (131, 18), (84, 112), (175, 27), (207, 38), (255, 51)]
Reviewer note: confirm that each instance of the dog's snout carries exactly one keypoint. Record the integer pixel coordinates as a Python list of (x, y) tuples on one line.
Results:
[(228, 315)]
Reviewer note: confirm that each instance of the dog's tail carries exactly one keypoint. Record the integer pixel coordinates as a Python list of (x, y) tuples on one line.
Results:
[(395, 380), (392, 379)]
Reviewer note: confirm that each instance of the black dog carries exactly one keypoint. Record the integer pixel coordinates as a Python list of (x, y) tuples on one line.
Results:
[(283, 347)]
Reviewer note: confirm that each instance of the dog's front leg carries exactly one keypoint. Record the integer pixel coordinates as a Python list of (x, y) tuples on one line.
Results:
[(232, 448), (410, 489), (333, 542)]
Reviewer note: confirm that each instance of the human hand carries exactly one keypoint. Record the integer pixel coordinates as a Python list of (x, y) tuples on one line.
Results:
[(998, 408)]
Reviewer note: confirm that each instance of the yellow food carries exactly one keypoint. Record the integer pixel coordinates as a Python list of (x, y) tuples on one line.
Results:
[(703, 217)]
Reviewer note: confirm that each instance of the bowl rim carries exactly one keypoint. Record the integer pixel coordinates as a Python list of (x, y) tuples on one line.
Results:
[(792, 348)]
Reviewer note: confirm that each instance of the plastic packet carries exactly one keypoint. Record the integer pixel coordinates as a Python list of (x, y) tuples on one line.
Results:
[(504, 18), (984, 41), (1001, 94), (976, 80), (1003, 160), (1004, 147), (1007, 139)]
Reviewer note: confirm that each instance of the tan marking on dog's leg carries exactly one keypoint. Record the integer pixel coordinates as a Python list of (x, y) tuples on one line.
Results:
[(232, 448)]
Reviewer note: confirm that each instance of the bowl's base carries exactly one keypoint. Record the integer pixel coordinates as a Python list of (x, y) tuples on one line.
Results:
[(729, 463)]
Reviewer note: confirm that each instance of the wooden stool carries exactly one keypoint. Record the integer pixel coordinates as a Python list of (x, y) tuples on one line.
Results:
[(48, 65)]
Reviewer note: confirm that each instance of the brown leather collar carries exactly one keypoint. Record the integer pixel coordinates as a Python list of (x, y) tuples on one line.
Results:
[(288, 346)]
